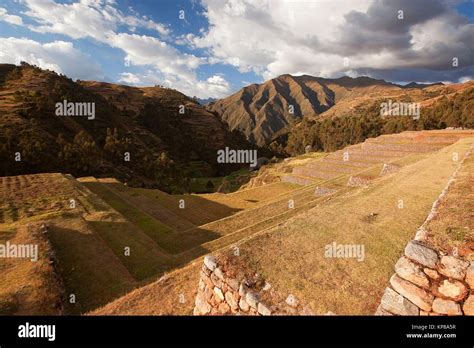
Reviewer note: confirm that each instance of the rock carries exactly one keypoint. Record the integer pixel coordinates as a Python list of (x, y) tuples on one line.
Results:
[(252, 299), (416, 295), (433, 274), (219, 294), (243, 289), (410, 271), (395, 303), (420, 253), (263, 310), (223, 308), (424, 314), (206, 270), (468, 306), (202, 285), (216, 281), (210, 262), (446, 307), (382, 312), (453, 289), (233, 284), (243, 305), (389, 169), (291, 301), (267, 286), (207, 280), (231, 299), (218, 273), (453, 267), (201, 307), (470, 275), (207, 293)]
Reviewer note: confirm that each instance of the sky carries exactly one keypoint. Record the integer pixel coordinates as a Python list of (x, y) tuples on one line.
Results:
[(212, 48)]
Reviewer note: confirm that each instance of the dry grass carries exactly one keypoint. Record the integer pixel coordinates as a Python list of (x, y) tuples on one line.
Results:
[(453, 225), (26, 287), (291, 257)]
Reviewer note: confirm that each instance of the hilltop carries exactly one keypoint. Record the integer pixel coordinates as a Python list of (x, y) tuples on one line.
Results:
[(267, 112), (146, 136)]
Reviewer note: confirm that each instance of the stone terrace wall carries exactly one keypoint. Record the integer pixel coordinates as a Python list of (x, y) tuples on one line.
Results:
[(226, 290), (428, 281), (219, 294)]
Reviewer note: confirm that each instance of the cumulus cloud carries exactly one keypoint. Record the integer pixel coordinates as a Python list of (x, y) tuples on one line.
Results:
[(97, 19), (273, 37), (12, 19), (149, 51), (59, 56), (161, 62), (215, 86)]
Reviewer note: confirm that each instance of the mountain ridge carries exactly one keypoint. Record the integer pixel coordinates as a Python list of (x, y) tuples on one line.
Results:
[(263, 112)]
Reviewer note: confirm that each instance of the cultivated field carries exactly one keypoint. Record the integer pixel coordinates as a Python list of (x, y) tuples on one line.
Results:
[(117, 238)]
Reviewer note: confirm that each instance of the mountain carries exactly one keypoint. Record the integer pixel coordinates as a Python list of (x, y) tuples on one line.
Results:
[(421, 85), (205, 101), (268, 111), (138, 135)]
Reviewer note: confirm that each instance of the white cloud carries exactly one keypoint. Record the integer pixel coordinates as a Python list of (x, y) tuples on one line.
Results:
[(273, 37), (59, 56), (12, 19), (215, 86), (97, 19), (149, 51)]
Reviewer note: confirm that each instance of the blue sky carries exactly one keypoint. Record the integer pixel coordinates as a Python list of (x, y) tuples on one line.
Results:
[(222, 45)]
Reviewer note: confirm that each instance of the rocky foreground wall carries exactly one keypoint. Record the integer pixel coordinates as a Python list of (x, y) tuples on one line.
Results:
[(225, 292), (428, 281)]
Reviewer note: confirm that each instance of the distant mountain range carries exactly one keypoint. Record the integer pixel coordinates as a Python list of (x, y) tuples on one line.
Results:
[(264, 112), (154, 136)]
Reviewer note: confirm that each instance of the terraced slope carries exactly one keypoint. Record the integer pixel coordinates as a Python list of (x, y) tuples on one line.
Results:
[(251, 228), (87, 263), (369, 216), (383, 149)]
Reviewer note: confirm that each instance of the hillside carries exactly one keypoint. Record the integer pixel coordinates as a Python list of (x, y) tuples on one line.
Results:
[(165, 147), (271, 236), (268, 111)]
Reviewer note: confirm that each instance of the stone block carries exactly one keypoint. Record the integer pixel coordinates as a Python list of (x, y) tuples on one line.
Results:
[(210, 262), (453, 267), (263, 310), (453, 289), (422, 254), (412, 272), (413, 293), (449, 307), (395, 303)]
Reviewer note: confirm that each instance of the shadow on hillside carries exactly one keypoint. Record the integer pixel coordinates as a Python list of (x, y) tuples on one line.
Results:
[(89, 270), (197, 210)]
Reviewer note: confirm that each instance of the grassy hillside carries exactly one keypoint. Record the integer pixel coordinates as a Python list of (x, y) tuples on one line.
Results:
[(148, 144), (273, 237)]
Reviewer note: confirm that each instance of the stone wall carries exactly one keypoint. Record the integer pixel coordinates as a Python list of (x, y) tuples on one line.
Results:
[(225, 289), (221, 294), (428, 281)]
